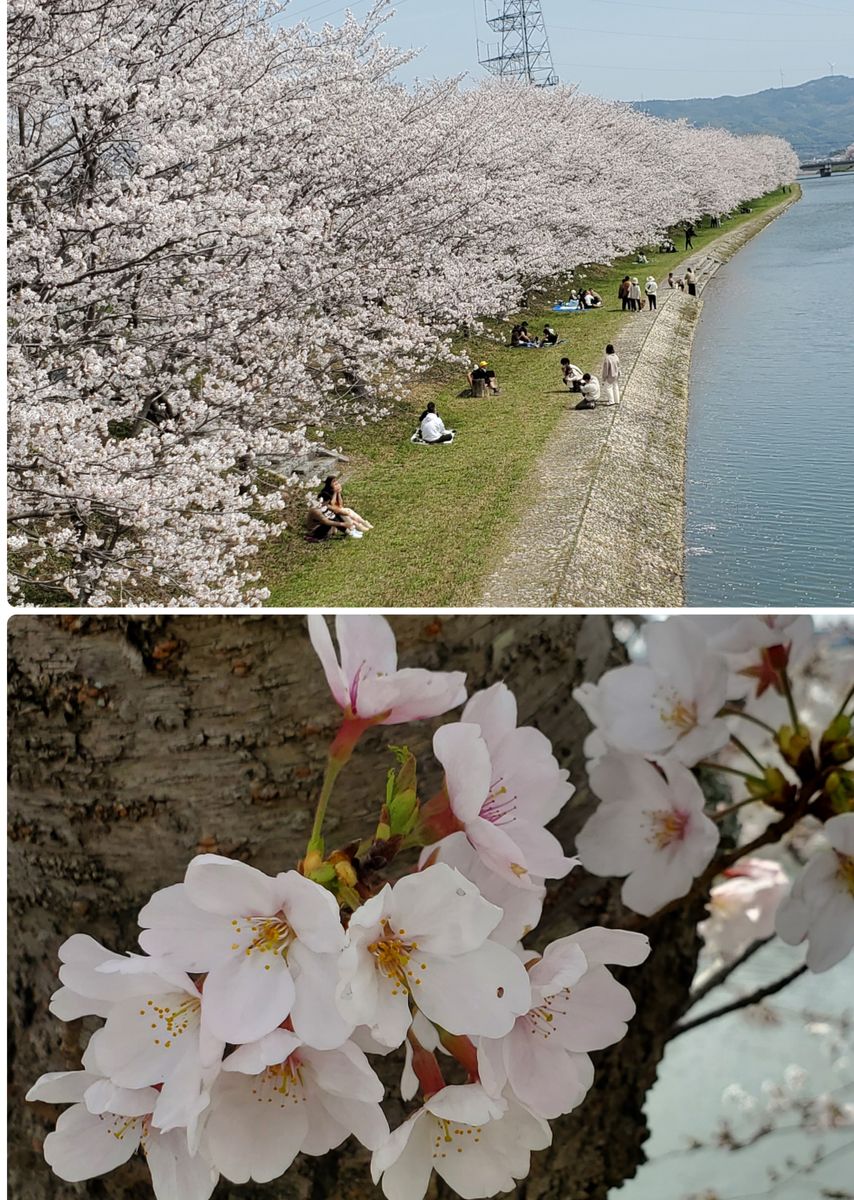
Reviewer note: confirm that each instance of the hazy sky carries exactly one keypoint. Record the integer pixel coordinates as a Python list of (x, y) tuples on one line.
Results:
[(630, 49)]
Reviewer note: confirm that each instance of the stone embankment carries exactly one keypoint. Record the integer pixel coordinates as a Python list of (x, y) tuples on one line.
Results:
[(605, 526)]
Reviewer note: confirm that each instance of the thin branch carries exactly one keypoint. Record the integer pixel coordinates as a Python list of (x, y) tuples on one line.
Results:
[(723, 973), (745, 1002)]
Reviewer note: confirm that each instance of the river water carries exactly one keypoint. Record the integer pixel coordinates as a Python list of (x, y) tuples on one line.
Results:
[(770, 468)]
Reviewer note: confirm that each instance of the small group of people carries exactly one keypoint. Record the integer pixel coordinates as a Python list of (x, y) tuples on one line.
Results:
[(631, 297), (329, 515), (688, 283), (520, 336), (593, 392)]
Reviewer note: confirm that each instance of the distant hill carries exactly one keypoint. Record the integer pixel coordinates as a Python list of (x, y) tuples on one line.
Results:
[(816, 117)]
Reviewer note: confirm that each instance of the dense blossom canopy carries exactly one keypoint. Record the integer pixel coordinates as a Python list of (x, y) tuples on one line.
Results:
[(228, 231)]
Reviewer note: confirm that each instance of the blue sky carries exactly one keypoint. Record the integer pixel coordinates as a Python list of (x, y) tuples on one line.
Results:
[(631, 49)]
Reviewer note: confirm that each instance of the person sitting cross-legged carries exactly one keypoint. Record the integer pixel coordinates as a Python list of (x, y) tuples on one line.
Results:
[(432, 427)]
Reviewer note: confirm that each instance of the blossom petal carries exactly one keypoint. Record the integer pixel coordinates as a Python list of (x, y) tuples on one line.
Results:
[(254, 1057), (617, 946), (468, 768), (247, 1138), (366, 643), (404, 1161), (175, 928), (321, 640), (443, 910), (311, 911), (175, 1174), (315, 1015), (230, 888), (62, 1087), (482, 992), (85, 1145), (494, 709), (247, 997)]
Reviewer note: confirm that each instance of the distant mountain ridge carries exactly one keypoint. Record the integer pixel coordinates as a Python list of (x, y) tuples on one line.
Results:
[(816, 117)]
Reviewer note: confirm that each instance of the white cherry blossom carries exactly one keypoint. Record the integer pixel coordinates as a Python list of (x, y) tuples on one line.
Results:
[(650, 826), (503, 785), (820, 907), (91, 1139), (277, 1097), (426, 940), (576, 1006), (478, 1145), (269, 948), (667, 706), (366, 681)]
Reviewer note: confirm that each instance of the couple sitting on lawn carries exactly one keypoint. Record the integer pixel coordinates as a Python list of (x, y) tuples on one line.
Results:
[(330, 515)]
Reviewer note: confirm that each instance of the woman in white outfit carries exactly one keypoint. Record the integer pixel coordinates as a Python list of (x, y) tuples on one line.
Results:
[(651, 290), (610, 374), (634, 295)]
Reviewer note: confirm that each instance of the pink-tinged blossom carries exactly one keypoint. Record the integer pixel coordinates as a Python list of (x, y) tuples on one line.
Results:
[(478, 1145), (106, 1125), (521, 907), (649, 826), (667, 706), (576, 1006), (820, 907), (269, 948), (365, 679), (277, 1097), (743, 906), (426, 940), (758, 647), (503, 786)]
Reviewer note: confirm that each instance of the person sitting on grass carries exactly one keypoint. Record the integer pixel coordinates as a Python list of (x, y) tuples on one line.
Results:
[(572, 375), (432, 427), (550, 337), (322, 520), (590, 299), (668, 246), (482, 379), (331, 492), (590, 391)]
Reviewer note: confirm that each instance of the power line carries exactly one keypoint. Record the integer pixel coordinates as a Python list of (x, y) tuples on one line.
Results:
[(679, 37)]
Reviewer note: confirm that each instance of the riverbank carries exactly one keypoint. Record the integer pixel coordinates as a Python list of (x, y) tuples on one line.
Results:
[(463, 525), (607, 529)]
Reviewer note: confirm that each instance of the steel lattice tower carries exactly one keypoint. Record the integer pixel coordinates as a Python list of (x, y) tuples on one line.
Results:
[(525, 52)]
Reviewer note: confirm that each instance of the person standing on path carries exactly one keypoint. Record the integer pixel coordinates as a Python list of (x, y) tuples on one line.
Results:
[(651, 290), (623, 292), (689, 236), (691, 281), (610, 374), (634, 296)]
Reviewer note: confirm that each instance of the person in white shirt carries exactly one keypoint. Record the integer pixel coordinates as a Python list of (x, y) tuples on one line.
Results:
[(651, 290), (432, 427), (610, 376), (572, 375), (634, 295), (590, 391)]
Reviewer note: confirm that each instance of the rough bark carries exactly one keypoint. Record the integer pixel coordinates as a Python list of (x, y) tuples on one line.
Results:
[(136, 742)]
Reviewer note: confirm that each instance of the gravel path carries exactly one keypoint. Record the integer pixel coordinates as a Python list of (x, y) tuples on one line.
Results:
[(606, 524)]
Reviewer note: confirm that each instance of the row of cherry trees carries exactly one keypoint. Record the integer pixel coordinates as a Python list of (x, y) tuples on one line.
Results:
[(228, 232)]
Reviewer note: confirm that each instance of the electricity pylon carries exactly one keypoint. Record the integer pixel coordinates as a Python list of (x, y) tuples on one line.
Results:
[(524, 52)]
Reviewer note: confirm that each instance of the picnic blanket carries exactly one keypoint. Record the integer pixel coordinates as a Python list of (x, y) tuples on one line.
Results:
[(572, 306), (418, 440)]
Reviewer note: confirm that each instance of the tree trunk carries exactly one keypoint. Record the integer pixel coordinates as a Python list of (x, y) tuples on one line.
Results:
[(137, 742)]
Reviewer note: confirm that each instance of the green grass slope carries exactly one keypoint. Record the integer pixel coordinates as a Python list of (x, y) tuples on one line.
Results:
[(437, 510)]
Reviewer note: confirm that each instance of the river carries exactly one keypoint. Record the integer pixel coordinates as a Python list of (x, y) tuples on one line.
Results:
[(770, 466)]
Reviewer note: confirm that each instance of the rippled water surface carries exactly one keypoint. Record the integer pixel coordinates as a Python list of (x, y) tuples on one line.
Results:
[(770, 504)]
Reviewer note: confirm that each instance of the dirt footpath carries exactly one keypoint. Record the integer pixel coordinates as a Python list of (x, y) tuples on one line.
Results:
[(605, 527)]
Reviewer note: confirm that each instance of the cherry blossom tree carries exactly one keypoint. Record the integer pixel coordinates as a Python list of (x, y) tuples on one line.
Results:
[(229, 232)]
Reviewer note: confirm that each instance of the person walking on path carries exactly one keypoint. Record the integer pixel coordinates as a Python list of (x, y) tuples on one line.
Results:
[(689, 236), (651, 290), (610, 374), (623, 292), (634, 296), (691, 281)]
